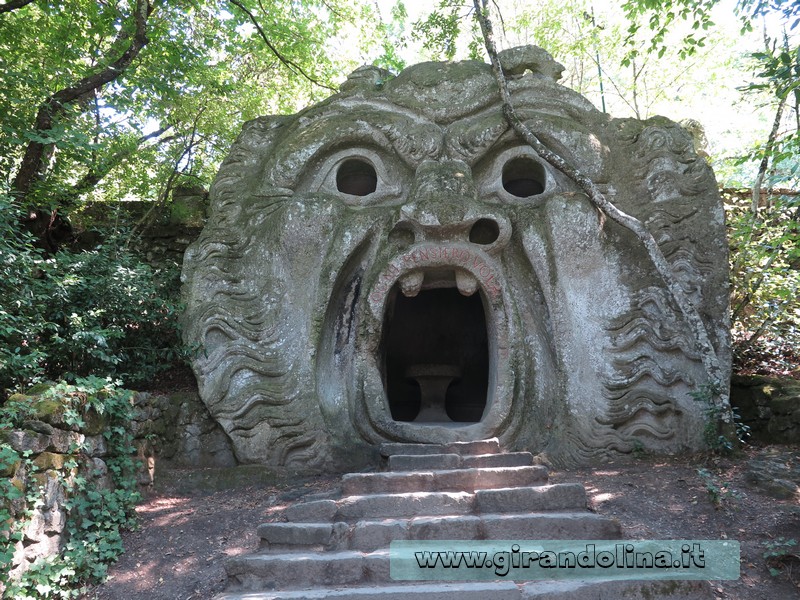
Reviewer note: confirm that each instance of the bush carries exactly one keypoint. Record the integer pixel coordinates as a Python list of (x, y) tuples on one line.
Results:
[(102, 312)]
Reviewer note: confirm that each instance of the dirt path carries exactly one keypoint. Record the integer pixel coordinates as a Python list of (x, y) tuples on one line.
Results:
[(197, 518)]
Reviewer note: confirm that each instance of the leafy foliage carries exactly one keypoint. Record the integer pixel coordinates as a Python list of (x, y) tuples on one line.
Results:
[(101, 312), (205, 69)]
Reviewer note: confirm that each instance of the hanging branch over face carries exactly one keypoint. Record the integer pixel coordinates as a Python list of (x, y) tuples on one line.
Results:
[(13, 5), (709, 356), (38, 153), (291, 65)]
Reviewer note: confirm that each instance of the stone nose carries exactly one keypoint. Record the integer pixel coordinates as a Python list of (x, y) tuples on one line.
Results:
[(443, 205)]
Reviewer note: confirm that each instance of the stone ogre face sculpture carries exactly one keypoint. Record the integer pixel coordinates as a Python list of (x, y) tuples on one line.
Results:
[(395, 264)]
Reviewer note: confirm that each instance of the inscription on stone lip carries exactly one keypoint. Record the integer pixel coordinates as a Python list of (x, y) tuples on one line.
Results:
[(439, 256)]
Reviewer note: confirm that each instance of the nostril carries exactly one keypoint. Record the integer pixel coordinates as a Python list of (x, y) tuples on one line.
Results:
[(484, 231)]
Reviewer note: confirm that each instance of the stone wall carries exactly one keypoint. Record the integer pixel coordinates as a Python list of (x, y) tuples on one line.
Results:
[(170, 231), (769, 406), (175, 427)]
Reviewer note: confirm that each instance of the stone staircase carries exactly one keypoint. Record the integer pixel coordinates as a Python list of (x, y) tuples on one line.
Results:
[(339, 548)]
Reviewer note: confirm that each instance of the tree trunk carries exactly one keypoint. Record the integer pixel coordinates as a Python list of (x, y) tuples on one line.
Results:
[(37, 154)]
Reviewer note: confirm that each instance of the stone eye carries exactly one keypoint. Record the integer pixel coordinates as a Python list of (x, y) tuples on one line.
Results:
[(356, 177), (523, 177)]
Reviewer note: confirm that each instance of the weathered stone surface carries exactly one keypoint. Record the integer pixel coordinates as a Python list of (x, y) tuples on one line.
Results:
[(467, 480), (65, 441), (633, 590), (496, 590), (395, 265), (555, 526), (508, 459), (299, 534), (404, 505), (410, 462), (23, 440), (265, 571), (559, 496), (52, 460), (95, 446), (769, 406), (775, 471), (317, 510)]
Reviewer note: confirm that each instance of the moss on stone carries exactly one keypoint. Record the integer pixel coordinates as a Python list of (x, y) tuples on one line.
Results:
[(49, 411), (52, 460)]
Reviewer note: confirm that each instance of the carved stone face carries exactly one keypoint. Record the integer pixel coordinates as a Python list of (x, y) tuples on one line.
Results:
[(395, 264)]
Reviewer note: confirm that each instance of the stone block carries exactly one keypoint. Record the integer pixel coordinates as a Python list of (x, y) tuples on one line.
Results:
[(560, 496), (52, 460), (303, 569), (95, 446), (65, 442), (442, 480), (296, 534), (506, 459), (549, 526), (494, 590), (367, 536), (630, 590), (26, 440), (411, 462), (353, 508), (314, 511), (467, 527), (406, 449)]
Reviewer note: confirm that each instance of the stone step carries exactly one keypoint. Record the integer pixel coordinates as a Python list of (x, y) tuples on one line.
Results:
[(555, 497), (422, 462), (630, 590), (288, 572), (560, 496), (490, 446), (466, 480), (305, 569), (354, 508), (497, 590), (370, 535)]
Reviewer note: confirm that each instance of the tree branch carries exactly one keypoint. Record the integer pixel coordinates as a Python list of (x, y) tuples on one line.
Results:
[(291, 65), (36, 157), (762, 167), (695, 322), (95, 175), (13, 5)]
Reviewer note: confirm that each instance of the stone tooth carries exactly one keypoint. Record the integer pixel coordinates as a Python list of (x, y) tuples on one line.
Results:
[(410, 283), (466, 282)]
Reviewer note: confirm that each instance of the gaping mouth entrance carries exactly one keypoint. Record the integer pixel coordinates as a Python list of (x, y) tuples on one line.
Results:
[(435, 352)]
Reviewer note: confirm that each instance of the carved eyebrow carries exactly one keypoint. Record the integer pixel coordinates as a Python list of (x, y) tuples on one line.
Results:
[(311, 136), (470, 139)]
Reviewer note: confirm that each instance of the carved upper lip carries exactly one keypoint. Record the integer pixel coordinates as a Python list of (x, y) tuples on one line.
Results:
[(430, 265), (412, 282)]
